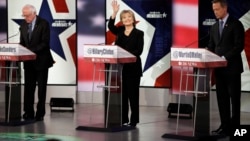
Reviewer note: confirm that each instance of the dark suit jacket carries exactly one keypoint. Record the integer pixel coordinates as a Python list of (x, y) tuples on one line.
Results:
[(133, 44), (230, 45), (39, 44)]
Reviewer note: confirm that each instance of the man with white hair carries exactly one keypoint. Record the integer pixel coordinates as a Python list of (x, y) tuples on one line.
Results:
[(35, 35)]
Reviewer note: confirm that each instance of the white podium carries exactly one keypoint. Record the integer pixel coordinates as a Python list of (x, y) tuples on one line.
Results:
[(195, 57), (113, 57), (199, 61), (10, 56)]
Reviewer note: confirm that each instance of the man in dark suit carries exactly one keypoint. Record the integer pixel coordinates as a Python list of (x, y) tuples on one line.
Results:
[(35, 35), (227, 41)]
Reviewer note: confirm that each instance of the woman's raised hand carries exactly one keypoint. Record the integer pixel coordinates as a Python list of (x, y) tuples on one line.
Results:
[(115, 7)]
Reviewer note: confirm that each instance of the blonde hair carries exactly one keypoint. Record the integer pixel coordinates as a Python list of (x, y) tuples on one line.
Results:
[(129, 12)]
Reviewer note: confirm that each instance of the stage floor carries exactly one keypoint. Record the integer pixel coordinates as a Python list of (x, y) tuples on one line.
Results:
[(61, 126)]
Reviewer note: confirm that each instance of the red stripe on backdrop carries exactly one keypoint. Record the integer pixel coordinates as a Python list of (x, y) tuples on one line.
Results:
[(247, 45), (163, 79), (61, 6), (185, 36), (72, 45), (87, 69), (193, 2)]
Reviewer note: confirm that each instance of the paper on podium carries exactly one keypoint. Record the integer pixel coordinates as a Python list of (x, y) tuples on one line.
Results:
[(107, 54), (196, 57), (15, 52)]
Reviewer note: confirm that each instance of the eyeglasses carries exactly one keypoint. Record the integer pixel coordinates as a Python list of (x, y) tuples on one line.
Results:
[(26, 15)]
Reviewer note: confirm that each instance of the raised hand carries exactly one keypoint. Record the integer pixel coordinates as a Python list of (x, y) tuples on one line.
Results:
[(115, 7)]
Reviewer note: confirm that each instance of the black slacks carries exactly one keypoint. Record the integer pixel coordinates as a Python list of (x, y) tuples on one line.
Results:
[(33, 77), (228, 89), (130, 97)]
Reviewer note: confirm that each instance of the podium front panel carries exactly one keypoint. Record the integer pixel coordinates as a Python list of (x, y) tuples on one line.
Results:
[(11, 55), (113, 96), (108, 116), (11, 104), (202, 61), (113, 57)]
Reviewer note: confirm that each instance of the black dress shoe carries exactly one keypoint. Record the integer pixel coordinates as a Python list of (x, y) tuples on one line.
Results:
[(39, 118), (221, 131), (133, 124), (28, 116), (224, 132), (217, 130), (125, 124)]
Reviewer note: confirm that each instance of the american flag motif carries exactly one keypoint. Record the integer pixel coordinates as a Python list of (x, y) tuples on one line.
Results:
[(240, 11), (91, 30), (61, 15), (185, 29), (155, 19)]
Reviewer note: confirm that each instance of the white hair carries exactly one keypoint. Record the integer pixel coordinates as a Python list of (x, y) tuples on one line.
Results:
[(31, 7)]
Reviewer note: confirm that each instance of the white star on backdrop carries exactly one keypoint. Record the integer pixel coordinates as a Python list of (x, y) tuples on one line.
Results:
[(81, 5), (98, 20)]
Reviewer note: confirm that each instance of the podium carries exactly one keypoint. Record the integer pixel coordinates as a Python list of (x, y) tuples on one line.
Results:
[(10, 56), (113, 57), (199, 62)]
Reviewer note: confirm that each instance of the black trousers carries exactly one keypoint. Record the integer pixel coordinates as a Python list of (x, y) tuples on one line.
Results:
[(33, 77), (228, 89), (130, 97)]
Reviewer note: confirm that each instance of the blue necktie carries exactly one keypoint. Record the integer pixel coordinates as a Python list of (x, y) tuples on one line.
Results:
[(220, 27), (29, 30)]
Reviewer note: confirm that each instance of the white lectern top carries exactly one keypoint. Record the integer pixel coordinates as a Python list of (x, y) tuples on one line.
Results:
[(107, 54), (15, 52), (196, 57)]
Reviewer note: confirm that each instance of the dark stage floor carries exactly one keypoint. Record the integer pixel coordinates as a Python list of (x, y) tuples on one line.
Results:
[(154, 123)]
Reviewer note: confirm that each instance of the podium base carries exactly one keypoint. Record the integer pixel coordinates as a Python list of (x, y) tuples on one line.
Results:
[(17, 123), (188, 136), (179, 137), (103, 129)]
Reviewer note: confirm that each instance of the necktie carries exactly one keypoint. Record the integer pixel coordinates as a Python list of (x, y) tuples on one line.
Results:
[(220, 27), (29, 30)]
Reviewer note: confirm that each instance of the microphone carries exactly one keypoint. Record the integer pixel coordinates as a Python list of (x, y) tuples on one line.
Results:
[(14, 35), (196, 41), (101, 44)]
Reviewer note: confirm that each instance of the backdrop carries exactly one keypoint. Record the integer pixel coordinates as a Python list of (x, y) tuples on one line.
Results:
[(61, 15), (240, 9), (155, 19)]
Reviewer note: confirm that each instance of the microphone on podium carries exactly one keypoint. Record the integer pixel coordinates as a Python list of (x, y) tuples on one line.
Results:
[(196, 41), (101, 44), (14, 35)]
